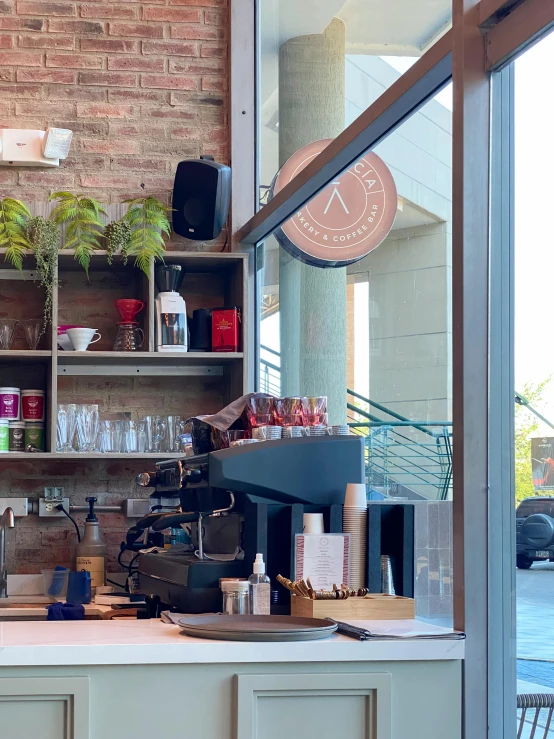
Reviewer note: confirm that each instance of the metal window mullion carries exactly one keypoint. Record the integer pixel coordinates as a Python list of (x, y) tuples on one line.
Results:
[(405, 97), (519, 30), (502, 550)]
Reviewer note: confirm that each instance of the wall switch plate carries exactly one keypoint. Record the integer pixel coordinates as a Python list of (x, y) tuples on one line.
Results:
[(20, 506), (47, 507)]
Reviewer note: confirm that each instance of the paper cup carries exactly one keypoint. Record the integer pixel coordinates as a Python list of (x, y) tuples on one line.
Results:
[(313, 523), (356, 495)]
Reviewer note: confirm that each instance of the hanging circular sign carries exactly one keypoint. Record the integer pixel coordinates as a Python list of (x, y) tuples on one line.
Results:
[(347, 219)]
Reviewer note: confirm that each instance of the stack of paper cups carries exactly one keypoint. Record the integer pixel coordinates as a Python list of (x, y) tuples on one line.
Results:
[(354, 522)]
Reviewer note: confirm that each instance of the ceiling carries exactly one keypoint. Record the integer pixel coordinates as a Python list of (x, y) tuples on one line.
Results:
[(394, 27)]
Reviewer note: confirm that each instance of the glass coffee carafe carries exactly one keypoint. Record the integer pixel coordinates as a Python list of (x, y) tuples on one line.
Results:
[(129, 337)]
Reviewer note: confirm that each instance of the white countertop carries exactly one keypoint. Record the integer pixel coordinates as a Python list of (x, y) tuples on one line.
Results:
[(53, 643)]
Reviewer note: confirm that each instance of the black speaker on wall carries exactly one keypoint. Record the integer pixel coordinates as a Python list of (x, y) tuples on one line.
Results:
[(201, 195)]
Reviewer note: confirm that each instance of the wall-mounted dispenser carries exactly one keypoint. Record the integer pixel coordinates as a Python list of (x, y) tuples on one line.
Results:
[(31, 148)]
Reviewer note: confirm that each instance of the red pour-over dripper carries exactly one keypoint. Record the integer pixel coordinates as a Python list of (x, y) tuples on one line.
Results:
[(128, 309)]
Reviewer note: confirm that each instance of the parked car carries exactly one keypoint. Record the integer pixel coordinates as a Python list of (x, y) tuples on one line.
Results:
[(534, 531)]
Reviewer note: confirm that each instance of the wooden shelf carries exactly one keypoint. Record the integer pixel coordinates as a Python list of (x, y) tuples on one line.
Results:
[(145, 363), (25, 355), (90, 455)]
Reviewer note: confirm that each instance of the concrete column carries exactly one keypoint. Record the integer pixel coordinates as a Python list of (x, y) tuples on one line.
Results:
[(312, 300)]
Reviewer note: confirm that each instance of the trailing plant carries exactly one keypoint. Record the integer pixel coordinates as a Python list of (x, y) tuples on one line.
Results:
[(13, 235), (148, 220), (84, 225), (118, 238), (44, 238)]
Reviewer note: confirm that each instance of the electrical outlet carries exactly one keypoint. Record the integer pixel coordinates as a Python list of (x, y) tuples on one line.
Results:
[(137, 507), (47, 507)]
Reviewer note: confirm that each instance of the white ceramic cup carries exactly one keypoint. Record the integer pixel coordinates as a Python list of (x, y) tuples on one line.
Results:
[(82, 337), (356, 495), (313, 523)]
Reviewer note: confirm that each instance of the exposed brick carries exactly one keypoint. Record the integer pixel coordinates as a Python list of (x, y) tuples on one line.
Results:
[(169, 113), (59, 26), (166, 82), (205, 3), (46, 179), (139, 165), (169, 48), (171, 15), (7, 75), (212, 135), (110, 180), (76, 93), (43, 109), (86, 128), (183, 98), (6, 42), (138, 96), (136, 64), (201, 32), (196, 66), (46, 41), (116, 46), (20, 91), (6, 7), (104, 10), (104, 111), (172, 148), (84, 162), (109, 146), (140, 30), (22, 24), (108, 79), (142, 130), (8, 177), (211, 83), (74, 61), (42, 8), (20, 59), (56, 77), (215, 17), (208, 50)]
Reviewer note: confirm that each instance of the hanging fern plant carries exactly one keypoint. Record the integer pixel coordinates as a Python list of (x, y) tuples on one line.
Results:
[(148, 220), (44, 238), (13, 235), (81, 214)]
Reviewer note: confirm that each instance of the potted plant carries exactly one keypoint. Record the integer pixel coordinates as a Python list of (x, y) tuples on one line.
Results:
[(148, 221), (81, 214)]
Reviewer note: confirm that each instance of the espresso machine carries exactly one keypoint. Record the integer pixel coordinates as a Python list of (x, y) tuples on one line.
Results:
[(238, 502), (171, 310)]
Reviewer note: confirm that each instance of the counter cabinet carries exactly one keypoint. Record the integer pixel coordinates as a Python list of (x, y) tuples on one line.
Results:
[(326, 700)]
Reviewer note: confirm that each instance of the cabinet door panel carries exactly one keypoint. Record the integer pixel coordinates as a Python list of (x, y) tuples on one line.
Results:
[(314, 706), (44, 707)]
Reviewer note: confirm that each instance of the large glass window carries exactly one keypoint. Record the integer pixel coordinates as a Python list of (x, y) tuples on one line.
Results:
[(374, 336)]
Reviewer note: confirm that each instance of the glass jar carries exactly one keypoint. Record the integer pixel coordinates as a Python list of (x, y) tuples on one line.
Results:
[(236, 600)]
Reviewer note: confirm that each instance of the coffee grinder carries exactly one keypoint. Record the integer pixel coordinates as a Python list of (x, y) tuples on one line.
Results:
[(171, 310)]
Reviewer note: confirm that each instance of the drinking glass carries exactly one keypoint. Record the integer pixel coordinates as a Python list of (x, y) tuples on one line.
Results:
[(314, 410), (87, 427), (104, 442), (117, 436), (7, 332), (66, 423), (130, 436), (288, 411), (155, 432), (260, 411), (175, 426), (142, 437), (33, 328)]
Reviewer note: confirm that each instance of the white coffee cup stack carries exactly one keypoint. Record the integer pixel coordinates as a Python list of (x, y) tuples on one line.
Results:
[(354, 522)]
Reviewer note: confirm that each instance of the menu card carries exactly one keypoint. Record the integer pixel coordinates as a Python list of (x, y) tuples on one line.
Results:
[(324, 558)]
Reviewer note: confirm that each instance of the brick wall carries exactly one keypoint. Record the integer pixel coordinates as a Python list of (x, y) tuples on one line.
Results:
[(142, 85)]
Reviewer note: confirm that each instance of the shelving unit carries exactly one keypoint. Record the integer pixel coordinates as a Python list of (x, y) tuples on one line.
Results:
[(186, 383)]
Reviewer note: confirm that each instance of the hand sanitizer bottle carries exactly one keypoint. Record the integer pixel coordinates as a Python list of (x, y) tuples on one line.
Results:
[(260, 589)]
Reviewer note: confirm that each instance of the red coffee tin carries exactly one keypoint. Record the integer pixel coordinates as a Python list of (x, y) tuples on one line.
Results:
[(225, 329)]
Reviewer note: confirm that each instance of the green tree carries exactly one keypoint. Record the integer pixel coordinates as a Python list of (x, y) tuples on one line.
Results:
[(527, 425)]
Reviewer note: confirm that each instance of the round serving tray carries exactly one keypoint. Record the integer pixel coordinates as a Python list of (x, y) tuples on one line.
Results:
[(256, 628)]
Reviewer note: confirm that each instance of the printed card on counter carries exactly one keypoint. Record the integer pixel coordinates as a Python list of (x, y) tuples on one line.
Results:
[(323, 558)]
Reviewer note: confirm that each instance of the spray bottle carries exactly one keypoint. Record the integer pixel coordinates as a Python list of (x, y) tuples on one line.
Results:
[(260, 588), (91, 551)]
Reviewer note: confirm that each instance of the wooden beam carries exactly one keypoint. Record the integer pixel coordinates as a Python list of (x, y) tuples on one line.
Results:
[(519, 30)]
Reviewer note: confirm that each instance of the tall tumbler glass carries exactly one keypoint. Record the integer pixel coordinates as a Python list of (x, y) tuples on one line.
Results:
[(66, 423), (288, 411), (130, 436), (175, 426), (155, 430), (87, 427)]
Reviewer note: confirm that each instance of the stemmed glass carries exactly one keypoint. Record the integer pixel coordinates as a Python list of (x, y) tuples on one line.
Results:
[(7, 332), (33, 331), (67, 421)]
